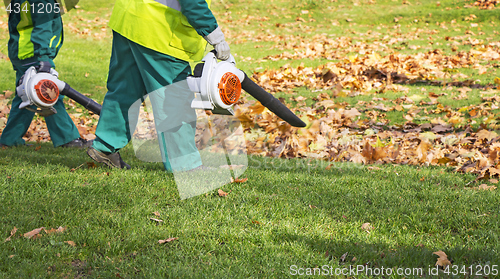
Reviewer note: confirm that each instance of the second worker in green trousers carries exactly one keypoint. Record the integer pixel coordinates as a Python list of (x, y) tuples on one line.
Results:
[(153, 45)]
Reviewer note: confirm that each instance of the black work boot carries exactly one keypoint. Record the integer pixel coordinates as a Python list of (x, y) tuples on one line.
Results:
[(79, 142), (112, 160)]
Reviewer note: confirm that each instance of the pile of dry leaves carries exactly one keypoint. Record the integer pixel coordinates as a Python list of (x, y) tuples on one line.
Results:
[(338, 134), (362, 73), (486, 4), (359, 133)]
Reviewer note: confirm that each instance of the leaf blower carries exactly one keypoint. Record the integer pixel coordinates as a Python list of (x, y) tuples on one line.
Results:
[(217, 87), (41, 86)]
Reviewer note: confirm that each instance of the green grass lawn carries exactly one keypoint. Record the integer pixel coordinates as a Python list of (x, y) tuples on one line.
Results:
[(293, 212), (292, 215)]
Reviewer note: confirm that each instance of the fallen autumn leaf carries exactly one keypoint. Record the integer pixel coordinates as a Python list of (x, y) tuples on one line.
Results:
[(167, 240), (12, 233), (442, 261), (33, 233), (222, 193)]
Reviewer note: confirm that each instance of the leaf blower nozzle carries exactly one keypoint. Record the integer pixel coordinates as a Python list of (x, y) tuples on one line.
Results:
[(83, 100)]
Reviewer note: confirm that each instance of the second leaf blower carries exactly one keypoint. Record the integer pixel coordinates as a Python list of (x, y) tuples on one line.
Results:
[(41, 86)]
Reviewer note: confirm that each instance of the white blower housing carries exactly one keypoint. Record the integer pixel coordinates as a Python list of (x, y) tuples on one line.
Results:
[(40, 89), (218, 87)]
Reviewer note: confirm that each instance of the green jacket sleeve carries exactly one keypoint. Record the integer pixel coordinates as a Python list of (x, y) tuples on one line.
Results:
[(199, 16), (47, 35)]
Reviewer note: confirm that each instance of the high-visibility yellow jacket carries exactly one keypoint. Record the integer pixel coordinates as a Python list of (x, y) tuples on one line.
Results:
[(172, 27)]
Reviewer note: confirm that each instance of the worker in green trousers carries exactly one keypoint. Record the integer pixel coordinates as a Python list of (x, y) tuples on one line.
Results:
[(153, 45)]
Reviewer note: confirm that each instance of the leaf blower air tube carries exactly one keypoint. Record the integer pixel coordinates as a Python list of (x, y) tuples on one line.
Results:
[(83, 100), (270, 102)]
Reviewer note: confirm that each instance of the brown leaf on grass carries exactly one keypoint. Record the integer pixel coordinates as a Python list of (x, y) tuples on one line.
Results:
[(444, 160), (156, 213), (7, 93), (336, 90), (351, 113), (367, 227), (34, 233), (342, 258), (443, 259), (358, 158), (433, 97), (71, 243), (167, 240), (441, 128), (12, 233), (58, 230), (421, 151), (368, 152), (373, 168), (493, 171), (485, 187), (240, 180), (91, 165), (485, 134), (222, 193), (74, 169), (373, 153), (257, 108)]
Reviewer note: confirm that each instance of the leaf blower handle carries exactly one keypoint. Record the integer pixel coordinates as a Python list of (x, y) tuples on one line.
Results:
[(270, 102), (83, 100), (44, 67)]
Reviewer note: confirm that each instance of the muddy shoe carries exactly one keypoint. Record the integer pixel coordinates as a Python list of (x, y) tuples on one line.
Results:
[(113, 160), (79, 142)]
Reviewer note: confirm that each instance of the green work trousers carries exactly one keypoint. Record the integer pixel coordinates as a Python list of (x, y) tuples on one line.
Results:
[(134, 72), (60, 125)]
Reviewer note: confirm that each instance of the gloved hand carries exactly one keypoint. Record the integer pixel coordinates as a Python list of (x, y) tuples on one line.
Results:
[(216, 39)]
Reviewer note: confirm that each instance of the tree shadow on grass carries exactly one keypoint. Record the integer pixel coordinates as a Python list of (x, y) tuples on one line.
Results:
[(413, 212), (387, 77), (46, 154), (361, 259), (289, 212)]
